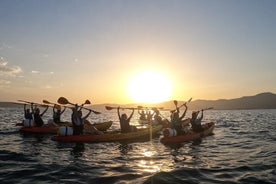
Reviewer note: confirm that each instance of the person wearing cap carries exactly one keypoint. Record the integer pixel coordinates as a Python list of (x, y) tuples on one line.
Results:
[(57, 113), (38, 116), (176, 121), (196, 121)]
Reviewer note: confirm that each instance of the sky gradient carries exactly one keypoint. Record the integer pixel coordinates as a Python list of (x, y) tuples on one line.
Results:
[(81, 49)]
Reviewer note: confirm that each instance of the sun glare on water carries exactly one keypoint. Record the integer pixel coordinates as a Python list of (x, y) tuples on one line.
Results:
[(149, 87)]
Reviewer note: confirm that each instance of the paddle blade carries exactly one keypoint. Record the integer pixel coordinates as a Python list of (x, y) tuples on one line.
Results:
[(45, 101), (62, 100), (139, 107), (189, 100), (87, 102), (96, 112), (109, 108), (175, 102)]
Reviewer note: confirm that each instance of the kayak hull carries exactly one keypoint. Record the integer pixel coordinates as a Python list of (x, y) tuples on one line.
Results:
[(52, 129), (209, 127), (145, 133)]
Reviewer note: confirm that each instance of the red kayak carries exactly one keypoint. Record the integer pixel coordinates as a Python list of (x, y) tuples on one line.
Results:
[(52, 129), (45, 129), (143, 133), (190, 136)]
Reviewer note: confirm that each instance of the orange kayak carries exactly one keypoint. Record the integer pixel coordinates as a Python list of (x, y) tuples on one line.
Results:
[(143, 133), (52, 129), (190, 136)]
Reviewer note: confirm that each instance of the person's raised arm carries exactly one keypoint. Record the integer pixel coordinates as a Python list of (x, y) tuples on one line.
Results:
[(130, 116), (201, 117), (32, 107), (118, 112), (184, 113), (85, 117), (54, 109)]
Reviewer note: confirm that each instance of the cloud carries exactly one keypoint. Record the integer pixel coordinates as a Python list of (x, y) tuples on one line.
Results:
[(47, 87), (4, 46), (8, 70), (4, 82), (35, 72)]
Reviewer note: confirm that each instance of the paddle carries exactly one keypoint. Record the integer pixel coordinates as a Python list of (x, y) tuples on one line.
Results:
[(43, 105), (19, 103), (64, 101), (175, 103), (152, 108), (207, 108), (55, 105), (111, 108)]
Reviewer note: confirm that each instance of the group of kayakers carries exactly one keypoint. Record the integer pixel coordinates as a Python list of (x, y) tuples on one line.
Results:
[(151, 115), (77, 119)]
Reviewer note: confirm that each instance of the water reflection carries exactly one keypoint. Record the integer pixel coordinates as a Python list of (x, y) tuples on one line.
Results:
[(125, 148), (78, 150)]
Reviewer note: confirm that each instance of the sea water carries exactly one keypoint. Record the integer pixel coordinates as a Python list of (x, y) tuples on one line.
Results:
[(242, 150)]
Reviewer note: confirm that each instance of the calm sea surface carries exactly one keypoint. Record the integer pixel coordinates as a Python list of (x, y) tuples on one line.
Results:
[(242, 150)]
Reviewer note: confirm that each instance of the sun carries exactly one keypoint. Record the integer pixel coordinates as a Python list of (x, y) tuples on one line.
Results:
[(149, 87)]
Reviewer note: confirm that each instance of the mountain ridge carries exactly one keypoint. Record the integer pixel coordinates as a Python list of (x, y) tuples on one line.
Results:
[(265, 100)]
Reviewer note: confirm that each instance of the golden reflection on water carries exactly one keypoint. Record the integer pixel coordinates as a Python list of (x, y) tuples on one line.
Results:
[(147, 164)]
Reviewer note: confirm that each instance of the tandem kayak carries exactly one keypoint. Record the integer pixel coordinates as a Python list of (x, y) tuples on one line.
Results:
[(190, 136), (144, 122), (52, 129), (143, 133)]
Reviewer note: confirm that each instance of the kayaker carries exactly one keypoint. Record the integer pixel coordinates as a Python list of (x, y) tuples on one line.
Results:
[(157, 119), (196, 121), (124, 122), (37, 116), (78, 120), (142, 115), (149, 115), (57, 113), (27, 113), (176, 121)]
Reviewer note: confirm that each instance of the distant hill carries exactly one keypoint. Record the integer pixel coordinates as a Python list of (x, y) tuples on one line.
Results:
[(259, 101)]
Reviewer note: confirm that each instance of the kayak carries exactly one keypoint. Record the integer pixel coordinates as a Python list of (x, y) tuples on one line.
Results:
[(102, 126), (190, 136), (45, 129), (52, 129), (143, 122), (143, 133)]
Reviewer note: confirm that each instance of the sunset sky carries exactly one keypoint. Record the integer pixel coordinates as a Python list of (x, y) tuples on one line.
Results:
[(97, 50)]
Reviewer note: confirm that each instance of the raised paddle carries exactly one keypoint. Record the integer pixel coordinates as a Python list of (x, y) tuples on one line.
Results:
[(87, 102), (57, 106), (152, 108), (17, 103), (209, 108), (111, 108), (64, 101), (43, 105), (95, 112), (175, 102)]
